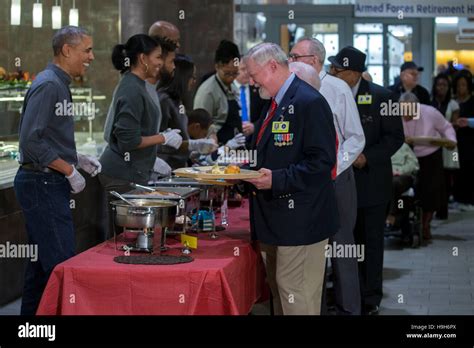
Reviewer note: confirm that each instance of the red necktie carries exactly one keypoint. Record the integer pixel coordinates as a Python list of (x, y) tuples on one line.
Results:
[(334, 169), (267, 120)]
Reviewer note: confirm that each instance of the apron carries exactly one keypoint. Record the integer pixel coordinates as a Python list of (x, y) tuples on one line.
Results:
[(233, 121)]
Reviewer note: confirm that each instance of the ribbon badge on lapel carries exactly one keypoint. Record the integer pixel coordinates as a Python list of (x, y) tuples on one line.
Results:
[(283, 139)]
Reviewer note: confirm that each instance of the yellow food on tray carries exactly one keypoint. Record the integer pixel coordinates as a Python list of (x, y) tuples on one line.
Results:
[(217, 170), (230, 169)]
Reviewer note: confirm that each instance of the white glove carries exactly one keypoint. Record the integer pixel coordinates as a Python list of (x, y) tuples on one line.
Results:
[(172, 138), (89, 164), (76, 180), (236, 142), (203, 146), (161, 167)]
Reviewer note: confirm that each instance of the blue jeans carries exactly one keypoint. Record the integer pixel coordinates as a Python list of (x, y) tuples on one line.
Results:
[(44, 199)]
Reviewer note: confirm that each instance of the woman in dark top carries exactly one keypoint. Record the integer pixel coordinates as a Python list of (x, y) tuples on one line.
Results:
[(134, 130), (442, 101), (464, 186), (175, 100)]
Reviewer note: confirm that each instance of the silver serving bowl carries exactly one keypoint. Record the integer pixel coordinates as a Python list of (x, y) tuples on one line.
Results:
[(145, 213)]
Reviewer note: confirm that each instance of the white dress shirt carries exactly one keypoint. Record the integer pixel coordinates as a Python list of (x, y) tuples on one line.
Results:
[(346, 119)]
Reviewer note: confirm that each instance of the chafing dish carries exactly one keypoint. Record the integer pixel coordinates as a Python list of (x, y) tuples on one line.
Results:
[(187, 199), (212, 194), (208, 190), (143, 217)]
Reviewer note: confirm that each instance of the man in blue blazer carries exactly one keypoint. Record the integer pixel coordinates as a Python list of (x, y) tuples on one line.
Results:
[(292, 206)]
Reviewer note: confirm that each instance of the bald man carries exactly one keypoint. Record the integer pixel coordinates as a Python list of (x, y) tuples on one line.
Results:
[(166, 30)]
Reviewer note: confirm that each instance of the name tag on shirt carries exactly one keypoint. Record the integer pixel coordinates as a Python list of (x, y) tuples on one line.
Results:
[(281, 127), (364, 99)]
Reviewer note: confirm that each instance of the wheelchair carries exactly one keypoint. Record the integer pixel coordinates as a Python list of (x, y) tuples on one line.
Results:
[(408, 219)]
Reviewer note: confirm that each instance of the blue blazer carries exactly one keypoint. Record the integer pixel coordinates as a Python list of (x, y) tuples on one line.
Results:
[(300, 208)]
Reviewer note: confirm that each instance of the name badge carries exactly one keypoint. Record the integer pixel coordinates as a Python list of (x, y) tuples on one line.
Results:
[(364, 99), (281, 127)]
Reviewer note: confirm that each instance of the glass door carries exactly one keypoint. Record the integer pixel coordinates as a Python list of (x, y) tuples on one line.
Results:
[(387, 45), (400, 49), (327, 33), (368, 37)]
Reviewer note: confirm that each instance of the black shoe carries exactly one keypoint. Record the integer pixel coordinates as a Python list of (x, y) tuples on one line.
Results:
[(371, 310)]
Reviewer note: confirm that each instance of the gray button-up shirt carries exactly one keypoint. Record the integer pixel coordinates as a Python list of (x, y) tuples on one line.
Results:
[(46, 125)]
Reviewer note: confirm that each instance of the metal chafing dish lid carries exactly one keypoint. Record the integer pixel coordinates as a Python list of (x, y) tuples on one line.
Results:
[(175, 193), (145, 203), (183, 182)]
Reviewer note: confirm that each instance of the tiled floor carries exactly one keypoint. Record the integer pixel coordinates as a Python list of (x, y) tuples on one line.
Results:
[(12, 308), (430, 279), (437, 279), (434, 279)]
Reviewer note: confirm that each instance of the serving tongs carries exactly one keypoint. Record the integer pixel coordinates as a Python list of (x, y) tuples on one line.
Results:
[(118, 195), (151, 189)]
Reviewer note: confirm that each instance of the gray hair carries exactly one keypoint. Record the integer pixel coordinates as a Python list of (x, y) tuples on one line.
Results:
[(408, 97), (69, 35), (307, 73), (265, 51), (315, 47)]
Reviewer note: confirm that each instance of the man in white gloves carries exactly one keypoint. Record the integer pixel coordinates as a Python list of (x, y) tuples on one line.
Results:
[(47, 155)]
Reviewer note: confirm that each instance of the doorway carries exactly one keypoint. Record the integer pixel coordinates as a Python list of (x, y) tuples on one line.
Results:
[(388, 42)]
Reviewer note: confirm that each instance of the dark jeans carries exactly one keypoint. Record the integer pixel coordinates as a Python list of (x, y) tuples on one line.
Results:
[(44, 198)]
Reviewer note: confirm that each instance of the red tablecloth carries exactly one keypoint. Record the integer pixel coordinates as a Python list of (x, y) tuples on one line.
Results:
[(226, 277)]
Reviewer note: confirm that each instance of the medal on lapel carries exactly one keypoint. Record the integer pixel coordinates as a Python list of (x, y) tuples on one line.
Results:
[(283, 139)]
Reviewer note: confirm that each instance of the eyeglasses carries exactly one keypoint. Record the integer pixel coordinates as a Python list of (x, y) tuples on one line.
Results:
[(295, 57)]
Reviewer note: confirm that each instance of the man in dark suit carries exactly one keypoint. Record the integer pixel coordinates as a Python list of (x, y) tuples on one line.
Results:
[(293, 205), (372, 169)]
